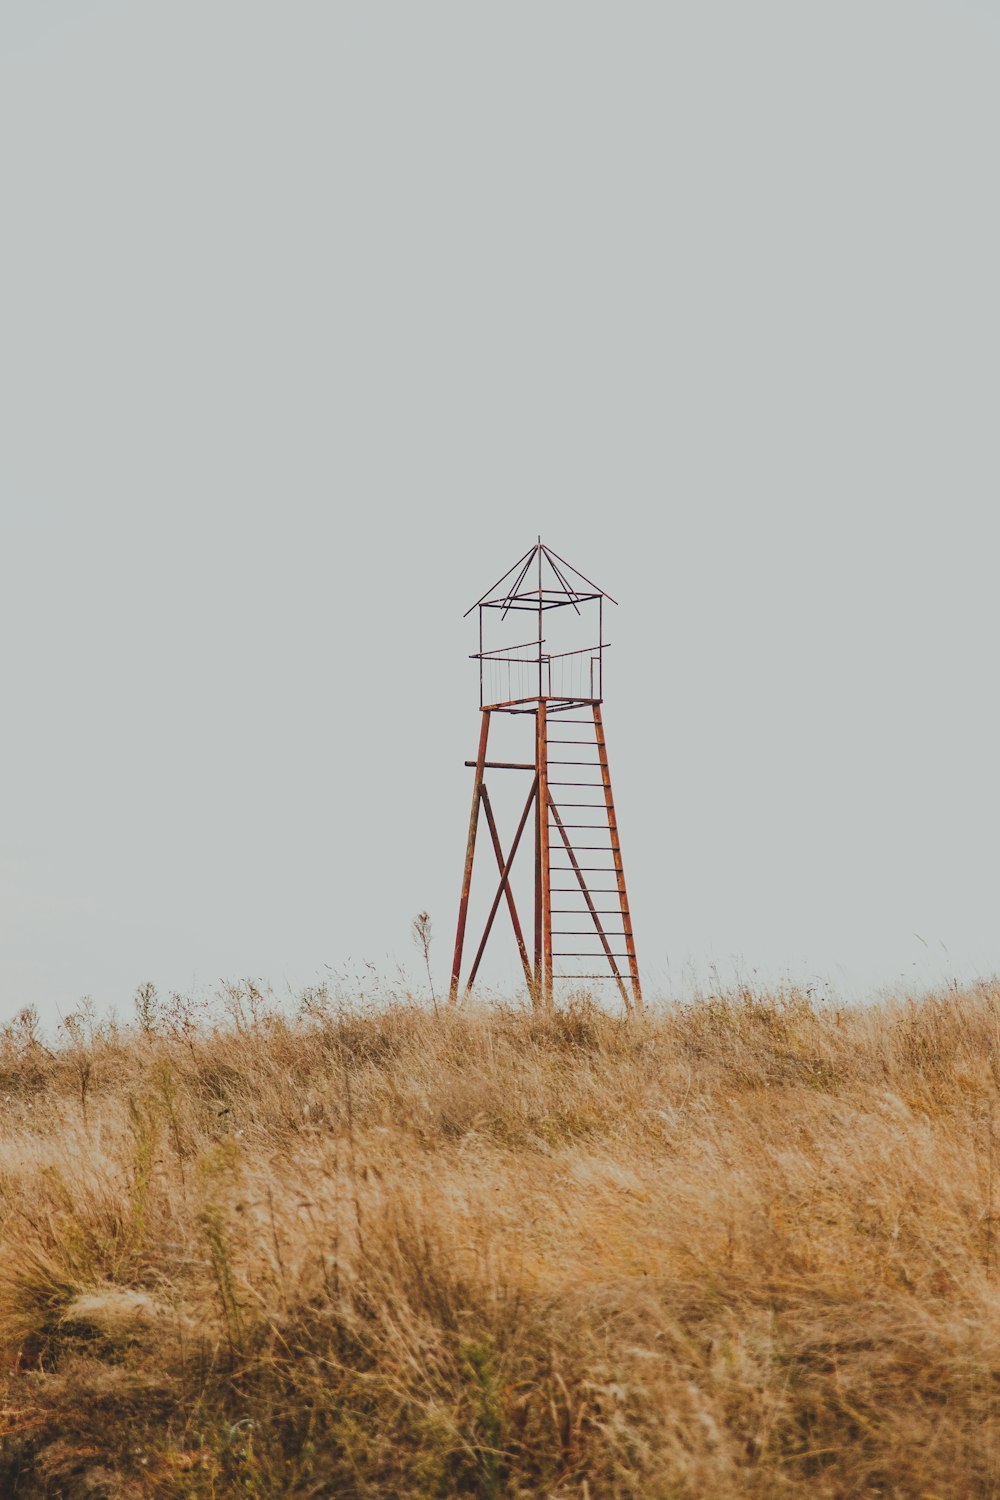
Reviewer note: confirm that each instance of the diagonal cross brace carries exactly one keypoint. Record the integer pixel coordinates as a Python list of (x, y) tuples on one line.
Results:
[(498, 850), (504, 878)]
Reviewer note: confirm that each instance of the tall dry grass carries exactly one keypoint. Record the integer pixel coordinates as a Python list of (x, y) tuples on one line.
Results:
[(740, 1248)]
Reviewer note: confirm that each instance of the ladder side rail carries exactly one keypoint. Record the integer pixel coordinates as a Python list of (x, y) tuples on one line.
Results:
[(617, 855)]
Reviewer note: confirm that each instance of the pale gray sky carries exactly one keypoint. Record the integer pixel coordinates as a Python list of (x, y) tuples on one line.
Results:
[(312, 315)]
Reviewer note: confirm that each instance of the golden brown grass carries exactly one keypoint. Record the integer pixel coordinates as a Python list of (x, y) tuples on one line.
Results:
[(739, 1248)]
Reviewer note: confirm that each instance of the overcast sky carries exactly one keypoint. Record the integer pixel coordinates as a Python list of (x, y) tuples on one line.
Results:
[(313, 315)]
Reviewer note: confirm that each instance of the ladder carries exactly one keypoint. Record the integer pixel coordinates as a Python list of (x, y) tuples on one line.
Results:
[(587, 918)]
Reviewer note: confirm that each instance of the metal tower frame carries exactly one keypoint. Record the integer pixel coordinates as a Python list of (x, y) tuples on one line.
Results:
[(560, 691)]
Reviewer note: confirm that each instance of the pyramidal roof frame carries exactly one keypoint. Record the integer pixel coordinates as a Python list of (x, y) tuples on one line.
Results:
[(542, 594)]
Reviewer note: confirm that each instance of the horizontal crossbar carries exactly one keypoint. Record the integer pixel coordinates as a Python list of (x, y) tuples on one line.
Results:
[(592, 869), (585, 976), (504, 765)]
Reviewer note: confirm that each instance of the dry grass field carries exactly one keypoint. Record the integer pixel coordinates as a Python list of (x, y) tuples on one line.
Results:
[(745, 1247)]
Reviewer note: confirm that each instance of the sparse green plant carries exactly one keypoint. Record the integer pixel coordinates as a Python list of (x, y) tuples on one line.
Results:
[(147, 1009), (422, 934)]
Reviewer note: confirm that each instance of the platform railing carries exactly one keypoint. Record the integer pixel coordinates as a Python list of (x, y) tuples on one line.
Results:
[(514, 674)]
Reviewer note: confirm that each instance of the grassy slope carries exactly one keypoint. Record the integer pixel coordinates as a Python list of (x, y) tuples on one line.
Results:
[(742, 1248)]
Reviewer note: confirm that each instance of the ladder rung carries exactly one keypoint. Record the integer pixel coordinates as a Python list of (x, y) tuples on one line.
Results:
[(585, 912), (594, 805), (594, 954), (594, 890), (593, 848), (593, 869), (594, 786), (592, 765), (623, 977), (591, 955)]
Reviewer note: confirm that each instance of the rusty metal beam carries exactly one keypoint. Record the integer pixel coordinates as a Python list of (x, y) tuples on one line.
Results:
[(536, 992), (544, 800), (587, 580), (504, 765), (564, 581), (513, 593), (530, 553), (470, 850)]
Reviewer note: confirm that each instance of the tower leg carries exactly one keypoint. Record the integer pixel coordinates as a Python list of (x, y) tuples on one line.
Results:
[(470, 849), (542, 753), (536, 985)]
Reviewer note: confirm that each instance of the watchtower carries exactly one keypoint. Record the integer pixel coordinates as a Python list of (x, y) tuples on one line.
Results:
[(581, 912)]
